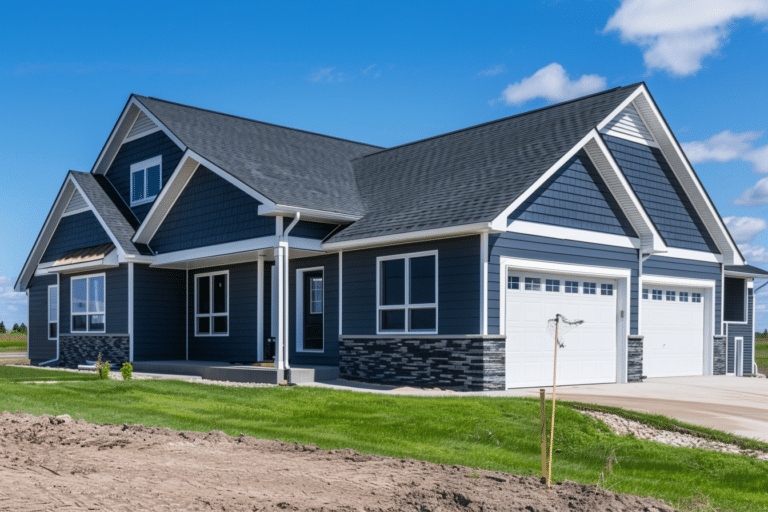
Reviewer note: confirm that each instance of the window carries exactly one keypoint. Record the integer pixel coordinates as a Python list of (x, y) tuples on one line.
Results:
[(88, 305), (212, 304), (53, 312), (670, 295), (571, 287), (695, 297), (316, 296), (656, 295), (513, 283), (533, 284), (683, 296), (407, 299), (645, 293), (606, 289), (553, 285), (146, 180), (590, 288)]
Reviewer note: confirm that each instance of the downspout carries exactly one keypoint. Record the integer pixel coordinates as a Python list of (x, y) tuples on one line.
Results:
[(286, 295)]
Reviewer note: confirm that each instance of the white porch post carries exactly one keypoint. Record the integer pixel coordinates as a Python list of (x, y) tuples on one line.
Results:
[(280, 271), (286, 304), (260, 308)]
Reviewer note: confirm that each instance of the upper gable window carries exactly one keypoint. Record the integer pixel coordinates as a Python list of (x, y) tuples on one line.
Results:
[(146, 181)]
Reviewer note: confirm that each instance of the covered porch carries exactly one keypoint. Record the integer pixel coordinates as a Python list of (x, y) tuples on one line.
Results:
[(218, 370)]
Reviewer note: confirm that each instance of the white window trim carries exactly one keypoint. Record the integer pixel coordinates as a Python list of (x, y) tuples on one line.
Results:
[(300, 310), (87, 300), (406, 306), (211, 315), (57, 312), (143, 166)]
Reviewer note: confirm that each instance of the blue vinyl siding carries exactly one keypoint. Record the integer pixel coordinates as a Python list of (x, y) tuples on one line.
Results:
[(742, 330), (241, 345), (116, 282), (531, 247), (159, 302), (40, 347), (75, 232), (152, 145), (210, 211), (675, 267), (458, 285), (330, 355), (576, 197), (661, 195), (733, 300), (313, 230)]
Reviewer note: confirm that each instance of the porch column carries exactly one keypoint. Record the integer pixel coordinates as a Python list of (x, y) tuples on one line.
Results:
[(260, 308), (286, 305), (280, 272)]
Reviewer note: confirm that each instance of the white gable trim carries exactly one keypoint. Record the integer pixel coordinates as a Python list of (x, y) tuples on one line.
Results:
[(120, 250), (141, 127), (120, 132)]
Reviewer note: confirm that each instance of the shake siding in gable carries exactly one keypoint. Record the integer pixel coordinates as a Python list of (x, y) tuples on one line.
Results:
[(119, 173), (560, 251), (661, 195), (40, 347), (458, 285), (576, 197), (675, 267), (75, 232), (159, 314), (116, 296), (210, 211)]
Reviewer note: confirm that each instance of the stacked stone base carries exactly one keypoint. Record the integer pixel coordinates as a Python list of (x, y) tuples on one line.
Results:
[(75, 350), (462, 363), (635, 358), (719, 359)]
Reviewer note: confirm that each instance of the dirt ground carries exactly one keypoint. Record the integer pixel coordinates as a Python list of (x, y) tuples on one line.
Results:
[(49, 463)]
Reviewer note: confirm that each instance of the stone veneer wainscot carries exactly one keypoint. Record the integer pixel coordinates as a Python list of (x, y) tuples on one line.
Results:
[(75, 349)]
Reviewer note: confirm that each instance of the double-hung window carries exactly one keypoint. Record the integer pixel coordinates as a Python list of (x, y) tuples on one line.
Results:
[(146, 180), (53, 312), (88, 304), (212, 304), (407, 293)]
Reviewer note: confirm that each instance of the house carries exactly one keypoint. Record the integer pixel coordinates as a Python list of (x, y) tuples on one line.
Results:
[(204, 236)]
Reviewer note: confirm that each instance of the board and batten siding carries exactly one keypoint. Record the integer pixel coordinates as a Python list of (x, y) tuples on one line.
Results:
[(40, 347), (514, 245), (138, 150), (116, 297), (210, 211), (576, 196), (75, 232), (742, 330), (675, 267), (458, 285), (159, 314), (330, 354)]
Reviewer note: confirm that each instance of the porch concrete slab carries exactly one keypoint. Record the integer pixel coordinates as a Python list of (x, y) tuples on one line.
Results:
[(218, 370)]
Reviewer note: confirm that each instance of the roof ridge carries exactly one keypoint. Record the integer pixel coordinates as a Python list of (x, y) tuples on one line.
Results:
[(520, 114), (257, 121)]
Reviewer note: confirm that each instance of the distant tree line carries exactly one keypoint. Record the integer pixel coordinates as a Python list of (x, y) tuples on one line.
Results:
[(17, 329)]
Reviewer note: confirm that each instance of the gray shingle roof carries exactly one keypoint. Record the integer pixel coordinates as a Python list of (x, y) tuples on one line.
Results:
[(749, 270), (107, 207), (290, 167), (471, 175)]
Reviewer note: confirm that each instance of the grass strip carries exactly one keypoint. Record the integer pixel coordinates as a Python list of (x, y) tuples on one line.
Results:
[(26, 374)]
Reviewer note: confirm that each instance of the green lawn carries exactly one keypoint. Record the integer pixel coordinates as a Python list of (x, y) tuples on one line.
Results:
[(490, 433), (13, 342), (761, 355)]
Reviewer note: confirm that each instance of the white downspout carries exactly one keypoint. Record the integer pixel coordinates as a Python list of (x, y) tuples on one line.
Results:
[(286, 295), (260, 308)]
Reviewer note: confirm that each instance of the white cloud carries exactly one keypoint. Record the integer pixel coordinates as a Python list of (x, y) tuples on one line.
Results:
[(756, 195), (551, 83), (373, 71), (745, 229), (676, 35), (328, 76), (728, 146), (495, 70), (754, 253)]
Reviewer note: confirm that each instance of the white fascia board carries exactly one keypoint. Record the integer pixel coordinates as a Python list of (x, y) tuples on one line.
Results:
[(744, 275), (120, 250), (254, 244), (688, 254), (578, 235), (109, 261), (59, 205), (563, 268), (692, 185), (306, 213), (414, 236), (75, 212), (618, 110), (676, 281)]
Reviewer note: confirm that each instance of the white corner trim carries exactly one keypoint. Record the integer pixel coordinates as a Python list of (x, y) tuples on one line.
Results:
[(130, 312), (260, 308), (484, 283), (426, 234), (579, 235), (341, 290)]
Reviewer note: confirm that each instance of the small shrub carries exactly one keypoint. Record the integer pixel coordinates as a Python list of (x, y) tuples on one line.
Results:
[(127, 370), (102, 368)]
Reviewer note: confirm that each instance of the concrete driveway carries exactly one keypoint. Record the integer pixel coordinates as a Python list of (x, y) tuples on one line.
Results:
[(734, 404)]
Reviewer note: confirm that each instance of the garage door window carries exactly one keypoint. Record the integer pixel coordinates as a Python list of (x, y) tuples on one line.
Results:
[(590, 288), (513, 282), (606, 289), (571, 287), (656, 294), (670, 295), (645, 293), (683, 296), (408, 293), (533, 284), (695, 297), (553, 285)]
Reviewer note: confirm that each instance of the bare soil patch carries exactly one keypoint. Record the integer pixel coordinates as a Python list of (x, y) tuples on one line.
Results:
[(49, 463)]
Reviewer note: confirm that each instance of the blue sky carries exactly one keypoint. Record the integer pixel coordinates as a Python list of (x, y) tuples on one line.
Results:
[(383, 73)]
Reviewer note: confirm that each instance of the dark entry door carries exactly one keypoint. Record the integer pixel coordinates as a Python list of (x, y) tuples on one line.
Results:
[(313, 310)]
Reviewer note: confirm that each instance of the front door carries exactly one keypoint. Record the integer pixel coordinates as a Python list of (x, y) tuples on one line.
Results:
[(313, 311)]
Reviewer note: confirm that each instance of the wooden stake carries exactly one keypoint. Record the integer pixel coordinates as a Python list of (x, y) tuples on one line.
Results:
[(552, 425), (543, 402)]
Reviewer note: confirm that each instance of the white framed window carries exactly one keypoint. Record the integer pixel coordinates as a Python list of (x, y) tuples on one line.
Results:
[(590, 288), (407, 293), (571, 287), (656, 295), (316, 295), (695, 297), (645, 293), (533, 284), (606, 289), (671, 295), (146, 180), (683, 296), (88, 300), (53, 312), (552, 285), (513, 283), (212, 304)]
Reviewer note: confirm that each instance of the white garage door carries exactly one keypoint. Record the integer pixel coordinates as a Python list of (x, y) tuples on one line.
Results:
[(672, 324), (589, 355)]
